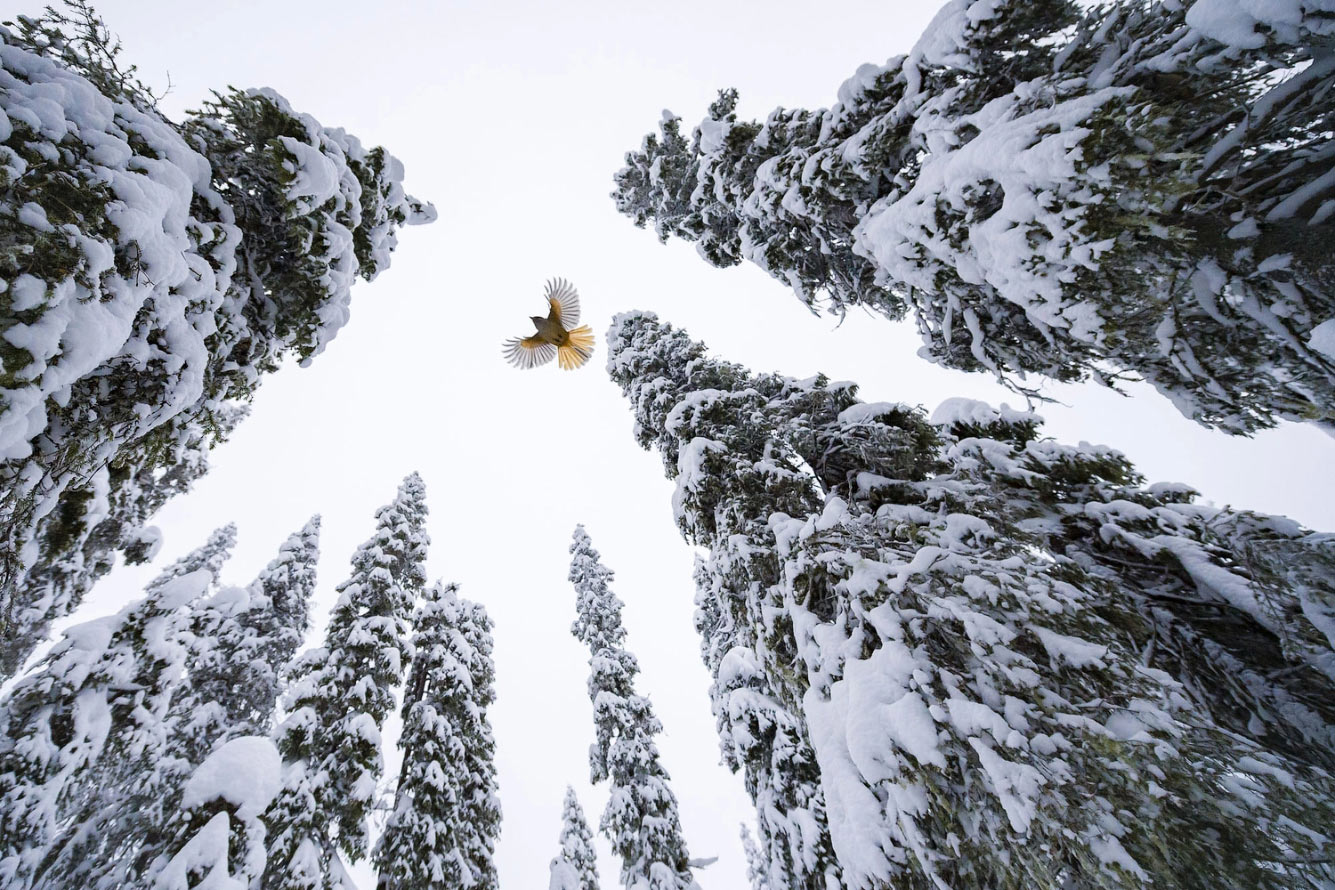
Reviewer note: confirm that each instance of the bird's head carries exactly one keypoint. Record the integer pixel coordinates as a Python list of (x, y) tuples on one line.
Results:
[(537, 320)]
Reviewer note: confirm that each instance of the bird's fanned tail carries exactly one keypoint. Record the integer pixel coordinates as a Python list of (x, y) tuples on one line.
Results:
[(578, 351)]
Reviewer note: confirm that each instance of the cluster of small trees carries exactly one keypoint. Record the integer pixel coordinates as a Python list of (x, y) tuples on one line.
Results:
[(143, 751)]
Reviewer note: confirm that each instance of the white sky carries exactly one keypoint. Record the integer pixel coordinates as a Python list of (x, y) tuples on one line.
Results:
[(512, 117)]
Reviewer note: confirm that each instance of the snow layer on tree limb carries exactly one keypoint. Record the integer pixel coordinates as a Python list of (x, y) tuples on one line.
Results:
[(244, 772), (1247, 24)]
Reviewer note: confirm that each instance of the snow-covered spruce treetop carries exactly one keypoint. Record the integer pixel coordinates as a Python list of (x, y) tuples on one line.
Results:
[(1017, 665), (1134, 188), (436, 835), (151, 272), (641, 818), (575, 867), (338, 699)]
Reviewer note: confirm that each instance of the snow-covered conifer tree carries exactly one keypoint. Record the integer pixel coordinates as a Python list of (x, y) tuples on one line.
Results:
[(163, 685), (340, 696), (208, 557), (271, 628), (766, 741), (641, 817), (89, 735), (482, 805), (757, 867), (575, 867), (243, 638), (437, 835), (1055, 188), (155, 272), (964, 618)]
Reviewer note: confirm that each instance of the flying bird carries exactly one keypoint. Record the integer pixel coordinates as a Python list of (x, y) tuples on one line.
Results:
[(557, 336)]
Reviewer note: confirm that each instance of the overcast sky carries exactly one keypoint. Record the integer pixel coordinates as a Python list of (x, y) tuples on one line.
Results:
[(512, 118)]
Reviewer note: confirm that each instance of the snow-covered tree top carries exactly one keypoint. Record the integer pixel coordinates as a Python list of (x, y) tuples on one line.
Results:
[(598, 621)]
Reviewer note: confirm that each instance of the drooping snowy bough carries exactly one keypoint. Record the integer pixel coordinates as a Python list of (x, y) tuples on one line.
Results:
[(1016, 665), (151, 272), (1049, 187)]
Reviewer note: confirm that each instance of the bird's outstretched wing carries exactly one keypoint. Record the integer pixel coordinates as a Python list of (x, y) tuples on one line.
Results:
[(563, 302), (528, 352)]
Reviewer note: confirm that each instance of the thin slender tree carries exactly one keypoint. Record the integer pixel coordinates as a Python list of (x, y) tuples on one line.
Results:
[(757, 866), (482, 805), (436, 836), (641, 817), (575, 867)]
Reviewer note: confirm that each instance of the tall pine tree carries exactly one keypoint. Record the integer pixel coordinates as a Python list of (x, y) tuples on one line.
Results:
[(445, 820), (156, 272), (482, 806), (1055, 188), (270, 629), (641, 818), (965, 620), (338, 701), (575, 867)]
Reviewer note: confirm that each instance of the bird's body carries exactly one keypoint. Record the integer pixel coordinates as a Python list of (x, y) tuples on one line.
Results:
[(556, 335), (550, 330)]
